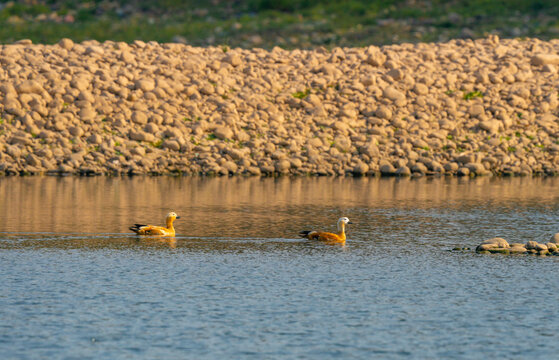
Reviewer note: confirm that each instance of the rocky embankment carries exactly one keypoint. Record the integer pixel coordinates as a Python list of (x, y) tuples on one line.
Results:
[(463, 107), (501, 246)]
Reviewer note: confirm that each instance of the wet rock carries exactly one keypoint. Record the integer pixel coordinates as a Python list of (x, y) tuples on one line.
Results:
[(494, 243), (387, 169), (360, 169)]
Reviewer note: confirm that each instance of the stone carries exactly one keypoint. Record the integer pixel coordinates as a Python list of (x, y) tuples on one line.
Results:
[(223, 132), (139, 135), (552, 247), (393, 94), (532, 245), (555, 239), (491, 126), (144, 84), (171, 145), (282, 165), (383, 112), (95, 139), (139, 117), (403, 171), (421, 89), (233, 59), (463, 171), (387, 169), (30, 87), (543, 59), (360, 169), (496, 242)]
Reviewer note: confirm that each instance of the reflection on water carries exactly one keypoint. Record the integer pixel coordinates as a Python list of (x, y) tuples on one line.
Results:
[(243, 207), (237, 282)]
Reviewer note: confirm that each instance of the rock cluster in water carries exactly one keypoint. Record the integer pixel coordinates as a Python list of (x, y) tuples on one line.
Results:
[(501, 246), (464, 108)]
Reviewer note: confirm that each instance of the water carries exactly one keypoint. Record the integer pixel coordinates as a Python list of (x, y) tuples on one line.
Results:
[(236, 283)]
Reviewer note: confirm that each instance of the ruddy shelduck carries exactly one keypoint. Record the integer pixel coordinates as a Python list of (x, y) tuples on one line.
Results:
[(168, 230), (326, 236)]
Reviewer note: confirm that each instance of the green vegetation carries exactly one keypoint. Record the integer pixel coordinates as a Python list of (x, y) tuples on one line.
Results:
[(211, 137), (301, 94), (472, 95), (511, 149), (269, 23), (157, 144)]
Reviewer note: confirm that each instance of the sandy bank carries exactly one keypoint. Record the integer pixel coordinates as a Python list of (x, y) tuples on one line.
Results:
[(463, 107)]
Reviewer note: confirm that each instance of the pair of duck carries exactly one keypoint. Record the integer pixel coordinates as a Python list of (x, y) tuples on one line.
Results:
[(169, 230)]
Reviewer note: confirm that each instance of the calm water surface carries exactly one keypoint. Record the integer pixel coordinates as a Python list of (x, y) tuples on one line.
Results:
[(236, 283)]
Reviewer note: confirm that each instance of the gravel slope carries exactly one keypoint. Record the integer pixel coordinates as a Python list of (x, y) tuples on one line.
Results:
[(463, 107)]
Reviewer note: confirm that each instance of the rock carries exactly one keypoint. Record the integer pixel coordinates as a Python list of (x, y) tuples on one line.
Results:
[(139, 117), (419, 168), (387, 169), (451, 167), (518, 249), (555, 239), (223, 132), (543, 59), (171, 145), (66, 44), (233, 59), (139, 135), (360, 169), (552, 247), (463, 171), (383, 112), (491, 126), (403, 171), (282, 166), (30, 87), (393, 94), (13, 151), (533, 245), (476, 110), (76, 131), (144, 84), (421, 89), (496, 242), (95, 139)]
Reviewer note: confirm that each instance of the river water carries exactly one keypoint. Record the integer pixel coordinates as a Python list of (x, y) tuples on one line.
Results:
[(237, 283)]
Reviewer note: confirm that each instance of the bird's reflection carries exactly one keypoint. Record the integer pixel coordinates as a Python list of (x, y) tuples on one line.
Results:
[(157, 241)]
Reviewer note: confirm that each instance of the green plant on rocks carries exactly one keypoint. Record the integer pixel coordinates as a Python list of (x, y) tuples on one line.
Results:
[(301, 94), (472, 95)]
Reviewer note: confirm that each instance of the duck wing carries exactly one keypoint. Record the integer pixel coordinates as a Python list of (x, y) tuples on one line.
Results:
[(149, 229), (320, 235)]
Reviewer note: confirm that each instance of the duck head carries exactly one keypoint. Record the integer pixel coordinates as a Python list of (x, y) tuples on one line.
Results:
[(172, 216)]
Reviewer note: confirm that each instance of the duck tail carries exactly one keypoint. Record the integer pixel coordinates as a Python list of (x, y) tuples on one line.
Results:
[(136, 227), (304, 233)]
